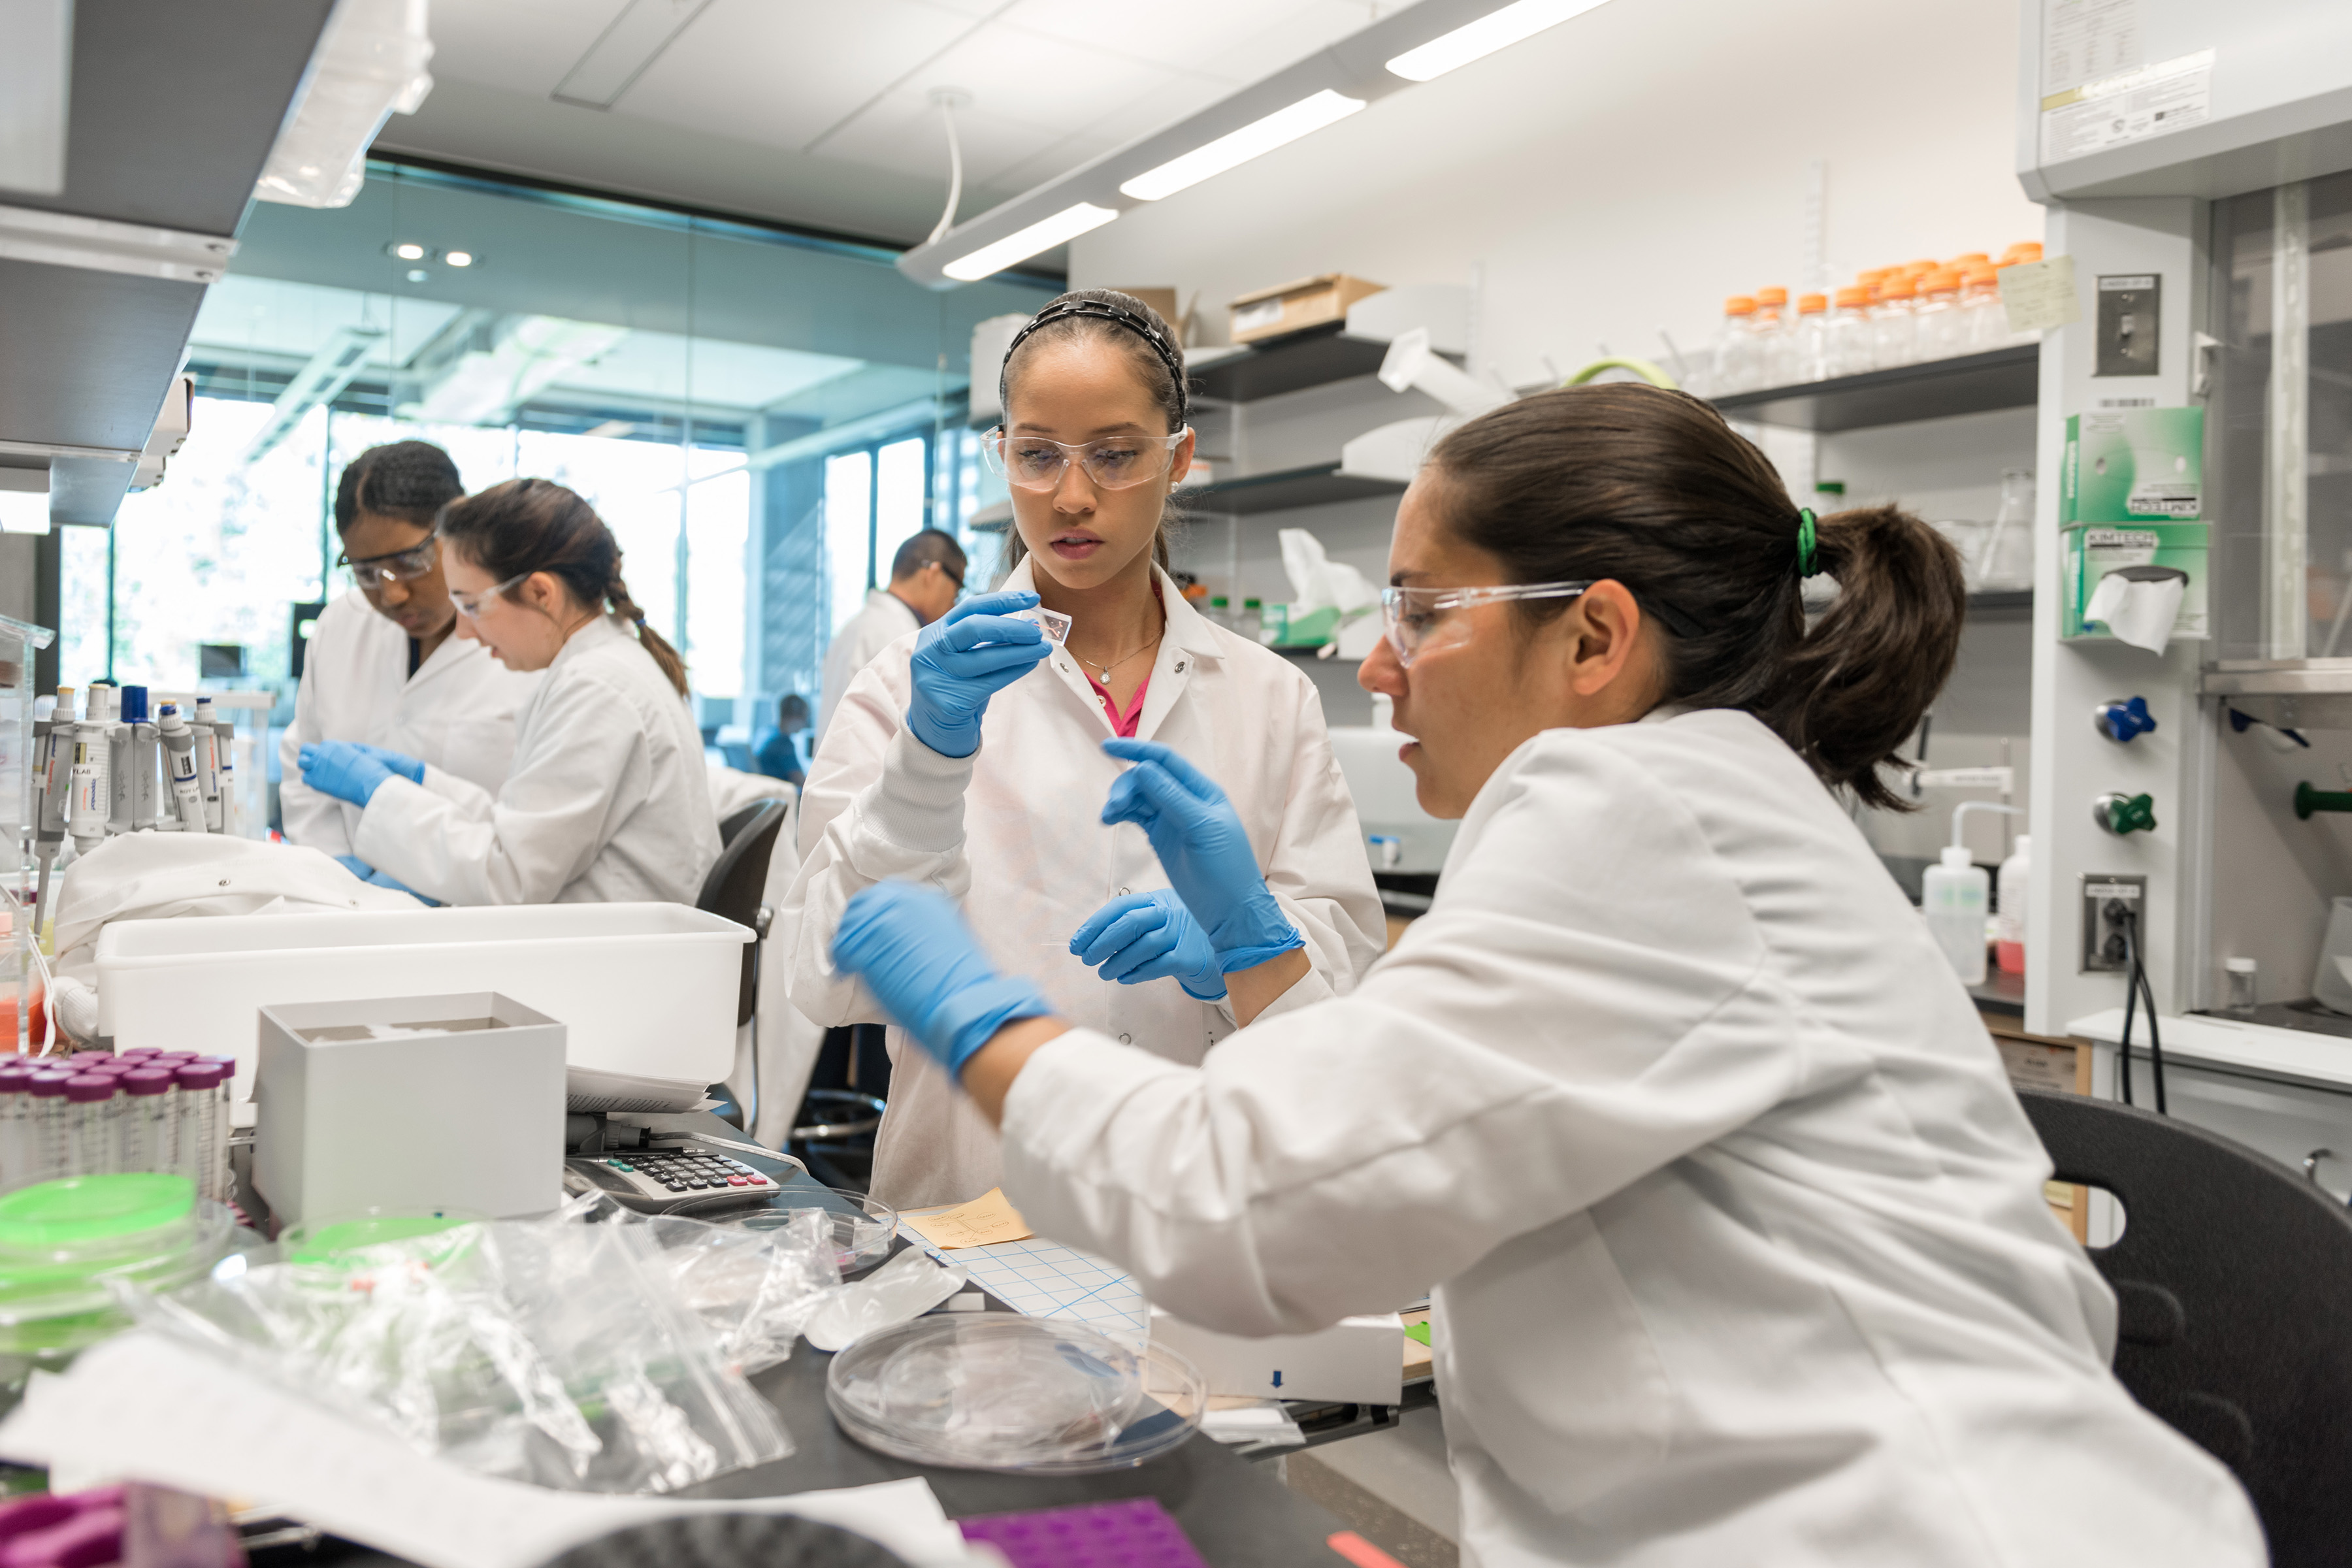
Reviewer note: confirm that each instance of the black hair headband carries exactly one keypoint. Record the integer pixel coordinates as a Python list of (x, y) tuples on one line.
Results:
[(1119, 315)]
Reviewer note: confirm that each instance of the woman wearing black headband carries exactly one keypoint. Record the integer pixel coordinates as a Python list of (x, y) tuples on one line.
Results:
[(955, 759), (1733, 1226)]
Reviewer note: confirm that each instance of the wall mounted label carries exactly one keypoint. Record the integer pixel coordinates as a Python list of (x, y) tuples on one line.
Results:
[(2129, 304), (2117, 110), (2085, 41), (2039, 295)]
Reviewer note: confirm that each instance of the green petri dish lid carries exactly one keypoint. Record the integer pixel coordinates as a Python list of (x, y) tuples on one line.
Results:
[(87, 1211), (333, 1240)]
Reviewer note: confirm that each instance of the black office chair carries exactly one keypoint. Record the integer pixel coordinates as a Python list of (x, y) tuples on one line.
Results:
[(733, 891), (2233, 1278)]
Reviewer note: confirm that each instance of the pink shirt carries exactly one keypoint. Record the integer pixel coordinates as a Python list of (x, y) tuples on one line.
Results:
[(1122, 723)]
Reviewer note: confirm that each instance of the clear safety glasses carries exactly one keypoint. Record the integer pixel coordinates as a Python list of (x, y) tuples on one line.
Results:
[(1415, 620), (400, 566), (470, 604), (1117, 463)]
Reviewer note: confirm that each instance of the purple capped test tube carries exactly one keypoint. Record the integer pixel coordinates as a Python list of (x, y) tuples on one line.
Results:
[(151, 1115), (203, 1126), (93, 1117)]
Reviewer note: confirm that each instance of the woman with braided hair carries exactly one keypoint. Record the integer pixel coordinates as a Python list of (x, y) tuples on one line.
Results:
[(607, 800), (381, 667)]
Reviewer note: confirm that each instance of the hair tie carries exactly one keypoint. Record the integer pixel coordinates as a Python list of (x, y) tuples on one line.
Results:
[(1805, 544), (639, 617)]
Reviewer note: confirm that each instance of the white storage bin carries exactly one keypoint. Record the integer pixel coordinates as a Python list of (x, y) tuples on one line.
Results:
[(647, 991)]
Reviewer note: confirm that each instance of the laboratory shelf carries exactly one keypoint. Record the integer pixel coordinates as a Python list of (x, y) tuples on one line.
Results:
[(1312, 358), (2002, 604), (1319, 484), (1967, 384)]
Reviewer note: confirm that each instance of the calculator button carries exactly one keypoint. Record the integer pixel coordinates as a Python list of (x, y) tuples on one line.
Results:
[(738, 1182), (675, 1186)]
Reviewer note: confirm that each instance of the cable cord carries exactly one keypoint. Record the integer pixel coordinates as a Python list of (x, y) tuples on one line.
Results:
[(2136, 987), (955, 172)]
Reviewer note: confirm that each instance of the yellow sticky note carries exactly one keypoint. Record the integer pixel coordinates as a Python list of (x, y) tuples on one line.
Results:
[(987, 1219), (2040, 295)]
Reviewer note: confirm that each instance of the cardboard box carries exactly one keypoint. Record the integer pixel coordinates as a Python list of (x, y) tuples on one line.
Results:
[(2088, 552), (1294, 307), (413, 1103), (1355, 1361), (2138, 465)]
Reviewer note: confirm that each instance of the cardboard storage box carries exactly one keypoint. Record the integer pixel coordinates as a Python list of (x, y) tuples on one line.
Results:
[(2139, 464), (1294, 307)]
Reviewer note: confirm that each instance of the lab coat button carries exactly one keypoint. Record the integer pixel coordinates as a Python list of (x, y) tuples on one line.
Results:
[(1122, 892), (1126, 1039)]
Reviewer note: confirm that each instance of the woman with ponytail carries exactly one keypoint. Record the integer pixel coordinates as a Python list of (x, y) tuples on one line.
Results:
[(1732, 1226), (606, 801)]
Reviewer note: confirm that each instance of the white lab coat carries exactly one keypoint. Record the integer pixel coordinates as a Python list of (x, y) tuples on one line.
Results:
[(607, 801), (885, 619), (1015, 831), (456, 712), (1735, 1225)]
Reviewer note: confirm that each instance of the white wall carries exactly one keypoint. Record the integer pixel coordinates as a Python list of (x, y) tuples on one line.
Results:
[(1624, 170)]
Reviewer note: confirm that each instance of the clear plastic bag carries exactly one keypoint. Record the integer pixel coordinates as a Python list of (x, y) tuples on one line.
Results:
[(906, 1286), (754, 1289), (553, 1350)]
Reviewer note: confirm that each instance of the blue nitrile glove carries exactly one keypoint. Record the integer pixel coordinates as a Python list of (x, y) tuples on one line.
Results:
[(911, 946), (1205, 851), (356, 867), (962, 660), (342, 770), (386, 879), (401, 762), (1151, 936)]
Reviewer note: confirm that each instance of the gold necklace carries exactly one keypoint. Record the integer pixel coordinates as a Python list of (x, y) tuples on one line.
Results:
[(1114, 664)]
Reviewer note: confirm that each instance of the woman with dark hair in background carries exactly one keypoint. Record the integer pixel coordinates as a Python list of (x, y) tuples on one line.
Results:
[(608, 800), (1732, 1225), (382, 669)]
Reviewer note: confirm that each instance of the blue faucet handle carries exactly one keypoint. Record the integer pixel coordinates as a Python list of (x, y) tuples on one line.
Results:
[(2125, 721)]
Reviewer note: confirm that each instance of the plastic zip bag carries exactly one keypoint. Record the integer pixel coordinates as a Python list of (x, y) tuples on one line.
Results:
[(903, 1289), (548, 1351), (754, 1289)]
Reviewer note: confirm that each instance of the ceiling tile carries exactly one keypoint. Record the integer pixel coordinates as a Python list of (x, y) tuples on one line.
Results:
[(1217, 36), (904, 132), (783, 71), (523, 45)]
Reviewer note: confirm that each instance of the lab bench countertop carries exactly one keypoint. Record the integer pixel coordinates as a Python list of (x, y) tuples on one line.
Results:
[(1237, 1514)]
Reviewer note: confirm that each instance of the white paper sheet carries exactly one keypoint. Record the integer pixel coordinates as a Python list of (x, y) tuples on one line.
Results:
[(142, 1408)]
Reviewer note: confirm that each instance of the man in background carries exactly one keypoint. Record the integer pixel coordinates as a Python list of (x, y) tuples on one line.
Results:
[(777, 755), (926, 575)]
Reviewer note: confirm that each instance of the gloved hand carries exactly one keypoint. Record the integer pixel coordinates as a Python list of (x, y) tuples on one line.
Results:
[(1205, 851), (911, 946), (356, 867), (342, 770), (401, 762), (385, 879), (962, 660), (1151, 936)]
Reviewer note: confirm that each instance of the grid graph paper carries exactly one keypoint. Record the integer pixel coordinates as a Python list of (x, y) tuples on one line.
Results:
[(1046, 1280)]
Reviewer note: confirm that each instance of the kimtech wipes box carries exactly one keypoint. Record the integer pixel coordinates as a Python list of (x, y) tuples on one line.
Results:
[(2157, 591), (2134, 465)]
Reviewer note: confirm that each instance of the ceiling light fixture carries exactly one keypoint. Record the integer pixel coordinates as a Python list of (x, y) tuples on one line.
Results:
[(459, 257), (1260, 136), (1022, 244), (409, 251), (1477, 40)]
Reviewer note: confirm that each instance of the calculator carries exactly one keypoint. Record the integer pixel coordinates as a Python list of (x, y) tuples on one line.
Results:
[(669, 1180)]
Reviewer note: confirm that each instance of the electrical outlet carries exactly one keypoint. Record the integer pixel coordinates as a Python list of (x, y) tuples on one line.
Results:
[(2105, 900)]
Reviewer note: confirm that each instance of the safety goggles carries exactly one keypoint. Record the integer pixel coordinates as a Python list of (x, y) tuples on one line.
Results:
[(1116, 463), (470, 604), (400, 566), (1415, 620)]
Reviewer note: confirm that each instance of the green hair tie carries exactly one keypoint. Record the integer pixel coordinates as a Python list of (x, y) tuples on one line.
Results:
[(1805, 567)]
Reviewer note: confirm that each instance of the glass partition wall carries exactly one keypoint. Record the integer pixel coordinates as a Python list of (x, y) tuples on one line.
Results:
[(762, 417)]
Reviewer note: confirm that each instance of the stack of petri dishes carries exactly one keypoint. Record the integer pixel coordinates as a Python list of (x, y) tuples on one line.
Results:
[(1000, 1391), (863, 1228), (65, 1245)]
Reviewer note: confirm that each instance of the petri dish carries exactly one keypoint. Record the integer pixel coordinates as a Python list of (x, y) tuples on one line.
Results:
[(339, 1239), (863, 1228), (999, 1391)]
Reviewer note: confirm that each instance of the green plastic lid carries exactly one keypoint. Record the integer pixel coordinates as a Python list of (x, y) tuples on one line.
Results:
[(80, 1210), (331, 1241)]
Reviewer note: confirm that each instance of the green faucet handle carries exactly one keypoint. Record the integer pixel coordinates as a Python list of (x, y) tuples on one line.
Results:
[(2122, 813), (2308, 800)]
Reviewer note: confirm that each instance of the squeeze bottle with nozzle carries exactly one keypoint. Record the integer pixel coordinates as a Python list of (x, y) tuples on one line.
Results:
[(180, 753), (1954, 895)]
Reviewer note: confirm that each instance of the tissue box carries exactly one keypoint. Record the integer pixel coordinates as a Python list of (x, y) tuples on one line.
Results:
[(2088, 552), (1357, 1360), (1294, 307), (413, 1103), (2138, 464)]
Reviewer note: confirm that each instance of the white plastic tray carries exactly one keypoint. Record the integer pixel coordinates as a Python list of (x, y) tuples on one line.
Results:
[(648, 990)]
